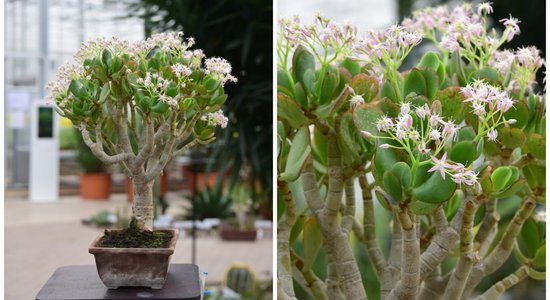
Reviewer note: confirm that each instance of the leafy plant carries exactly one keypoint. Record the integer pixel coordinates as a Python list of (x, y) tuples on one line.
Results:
[(444, 142), (211, 202), (140, 104)]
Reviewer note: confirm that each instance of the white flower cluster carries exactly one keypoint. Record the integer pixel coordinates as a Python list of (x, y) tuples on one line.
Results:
[(219, 69), (59, 85), (463, 28), (94, 47), (489, 103), (389, 46), (181, 70), (333, 38), (417, 137), (458, 172), (428, 136), (153, 82), (216, 119), (520, 66)]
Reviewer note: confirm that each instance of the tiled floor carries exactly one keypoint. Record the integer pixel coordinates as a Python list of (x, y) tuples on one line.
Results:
[(42, 237)]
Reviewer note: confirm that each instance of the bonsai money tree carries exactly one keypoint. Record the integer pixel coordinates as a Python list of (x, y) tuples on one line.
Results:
[(438, 147), (140, 104)]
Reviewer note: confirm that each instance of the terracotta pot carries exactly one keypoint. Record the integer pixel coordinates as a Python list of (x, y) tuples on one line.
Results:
[(163, 186), (203, 180), (95, 186), (230, 233), (143, 267)]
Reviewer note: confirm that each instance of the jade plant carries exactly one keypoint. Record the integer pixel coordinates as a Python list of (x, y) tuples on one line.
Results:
[(140, 104), (441, 147)]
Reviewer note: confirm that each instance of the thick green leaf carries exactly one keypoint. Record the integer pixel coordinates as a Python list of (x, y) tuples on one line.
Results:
[(392, 185), (297, 228), (302, 61), (422, 208), (456, 67), (77, 88), (160, 108), (403, 172), (104, 93), (384, 159), (106, 57), (501, 177), (536, 145), (530, 237), (452, 104), (319, 146), (489, 75), (330, 82), (284, 80), (288, 110), (511, 137), (432, 82), (518, 112), (365, 117), (451, 206), (300, 95), (312, 240), (430, 60), (365, 86), (515, 186), (352, 66), (210, 83), (539, 261), (414, 82), (349, 139), (435, 189), (388, 91), (299, 152), (463, 152), (466, 134)]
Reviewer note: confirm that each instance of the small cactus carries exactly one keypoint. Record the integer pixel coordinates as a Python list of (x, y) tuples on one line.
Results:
[(240, 278)]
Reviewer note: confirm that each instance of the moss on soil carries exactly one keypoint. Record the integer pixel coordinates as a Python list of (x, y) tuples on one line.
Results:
[(133, 237)]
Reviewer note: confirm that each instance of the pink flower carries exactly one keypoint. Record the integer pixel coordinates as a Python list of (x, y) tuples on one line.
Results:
[(512, 27), (384, 124), (356, 100), (492, 134), (450, 43), (485, 7), (422, 111), (440, 165)]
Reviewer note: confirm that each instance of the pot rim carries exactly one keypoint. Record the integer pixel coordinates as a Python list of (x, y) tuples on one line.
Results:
[(94, 248)]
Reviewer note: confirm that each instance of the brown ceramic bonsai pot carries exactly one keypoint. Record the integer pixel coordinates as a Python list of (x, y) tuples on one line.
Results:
[(95, 186), (232, 233), (138, 267)]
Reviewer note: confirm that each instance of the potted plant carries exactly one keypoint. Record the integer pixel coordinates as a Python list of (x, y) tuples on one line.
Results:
[(139, 105), (242, 226), (95, 181)]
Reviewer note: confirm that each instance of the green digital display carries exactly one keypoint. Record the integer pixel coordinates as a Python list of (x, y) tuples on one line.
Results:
[(45, 122)]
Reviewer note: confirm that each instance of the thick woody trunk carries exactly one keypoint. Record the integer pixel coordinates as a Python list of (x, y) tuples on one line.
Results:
[(143, 204)]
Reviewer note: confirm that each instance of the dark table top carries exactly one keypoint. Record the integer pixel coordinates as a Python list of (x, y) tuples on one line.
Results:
[(83, 283)]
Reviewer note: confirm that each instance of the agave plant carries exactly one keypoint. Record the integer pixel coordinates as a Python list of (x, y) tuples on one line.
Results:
[(438, 146)]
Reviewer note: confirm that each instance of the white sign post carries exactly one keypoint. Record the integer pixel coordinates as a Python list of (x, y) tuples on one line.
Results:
[(44, 154)]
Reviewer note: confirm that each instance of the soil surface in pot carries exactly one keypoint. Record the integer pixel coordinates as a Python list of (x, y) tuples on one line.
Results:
[(133, 237)]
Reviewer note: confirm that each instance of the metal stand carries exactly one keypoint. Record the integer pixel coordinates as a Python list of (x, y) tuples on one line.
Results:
[(198, 159)]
